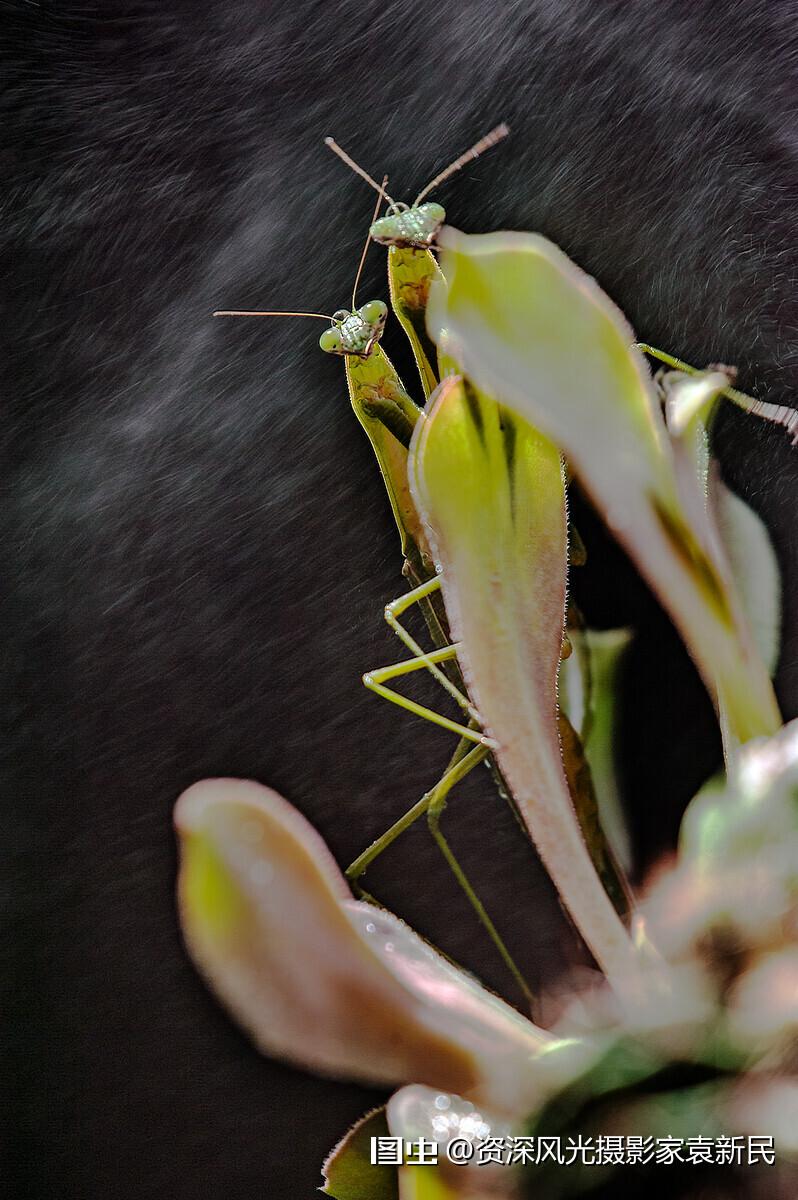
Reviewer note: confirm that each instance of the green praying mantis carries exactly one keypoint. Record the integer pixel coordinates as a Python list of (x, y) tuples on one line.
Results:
[(389, 415)]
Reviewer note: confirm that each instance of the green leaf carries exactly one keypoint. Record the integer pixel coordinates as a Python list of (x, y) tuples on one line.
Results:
[(632, 1089), (492, 493), (755, 569), (348, 1171), (588, 681), (410, 276), (539, 335), (428, 1183)]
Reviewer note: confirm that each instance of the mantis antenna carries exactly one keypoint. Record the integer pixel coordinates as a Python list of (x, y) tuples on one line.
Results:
[(367, 243), (229, 312), (355, 332), (484, 143), (350, 162), (490, 139)]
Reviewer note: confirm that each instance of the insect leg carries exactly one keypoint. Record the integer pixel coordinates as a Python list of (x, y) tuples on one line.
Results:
[(462, 761), (373, 680), (466, 756), (433, 803), (392, 613), (778, 414), (435, 811)]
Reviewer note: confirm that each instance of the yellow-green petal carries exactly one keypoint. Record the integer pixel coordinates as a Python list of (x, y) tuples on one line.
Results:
[(492, 493)]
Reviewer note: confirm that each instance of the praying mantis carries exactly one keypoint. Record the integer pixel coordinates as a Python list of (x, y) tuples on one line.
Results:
[(389, 415), (412, 269)]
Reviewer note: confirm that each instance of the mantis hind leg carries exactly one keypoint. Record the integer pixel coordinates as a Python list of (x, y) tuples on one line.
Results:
[(435, 811), (473, 748), (433, 803), (466, 756)]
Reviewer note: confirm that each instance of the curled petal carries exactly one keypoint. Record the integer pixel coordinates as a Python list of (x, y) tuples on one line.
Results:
[(330, 983), (689, 401)]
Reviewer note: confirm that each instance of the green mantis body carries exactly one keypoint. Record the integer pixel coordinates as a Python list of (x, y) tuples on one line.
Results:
[(389, 416)]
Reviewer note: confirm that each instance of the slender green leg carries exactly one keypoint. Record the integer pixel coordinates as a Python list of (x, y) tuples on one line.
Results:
[(461, 762), (435, 811), (420, 662), (375, 682), (394, 610), (433, 803), (731, 393)]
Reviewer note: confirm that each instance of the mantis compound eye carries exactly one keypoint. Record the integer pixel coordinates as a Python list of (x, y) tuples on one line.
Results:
[(331, 341), (384, 227), (436, 212), (374, 312)]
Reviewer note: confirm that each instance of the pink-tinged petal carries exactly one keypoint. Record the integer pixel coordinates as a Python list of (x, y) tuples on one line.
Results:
[(755, 569), (492, 493), (767, 1105), (538, 334), (333, 984), (764, 1003)]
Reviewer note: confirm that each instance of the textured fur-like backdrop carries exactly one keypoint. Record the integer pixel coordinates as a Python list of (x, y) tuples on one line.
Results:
[(195, 544)]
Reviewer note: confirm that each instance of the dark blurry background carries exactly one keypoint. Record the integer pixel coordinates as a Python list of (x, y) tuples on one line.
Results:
[(196, 545)]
